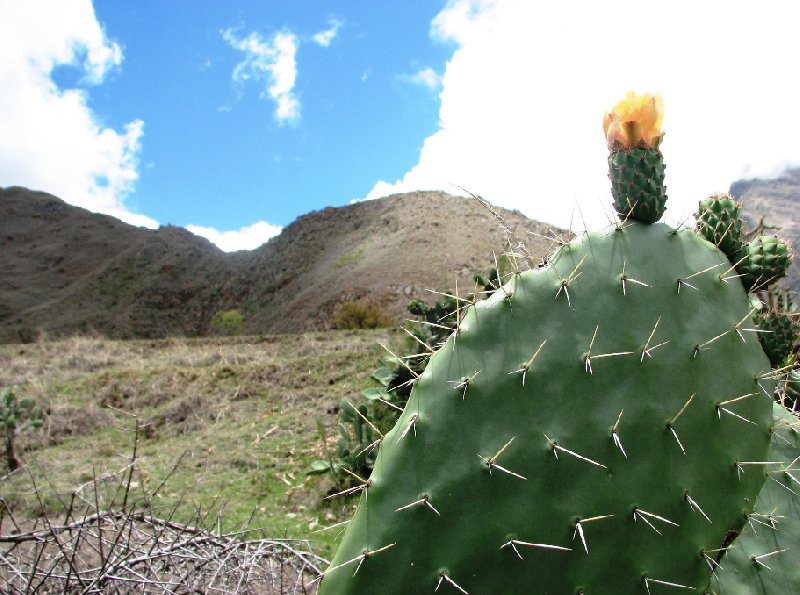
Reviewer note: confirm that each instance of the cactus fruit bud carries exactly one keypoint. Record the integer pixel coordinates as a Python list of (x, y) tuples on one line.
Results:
[(763, 261), (718, 221), (635, 165)]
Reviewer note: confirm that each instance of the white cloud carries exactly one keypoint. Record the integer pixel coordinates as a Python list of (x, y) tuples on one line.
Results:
[(427, 77), (246, 238), (524, 94), (272, 62), (324, 38), (49, 138)]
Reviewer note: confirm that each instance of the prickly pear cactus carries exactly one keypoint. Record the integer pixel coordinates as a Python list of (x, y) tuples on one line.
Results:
[(582, 429), (596, 426), (719, 222), (764, 559), (780, 332), (763, 261)]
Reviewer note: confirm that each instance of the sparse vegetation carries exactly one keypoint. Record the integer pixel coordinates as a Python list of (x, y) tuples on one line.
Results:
[(242, 411), (361, 315), (229, 323)]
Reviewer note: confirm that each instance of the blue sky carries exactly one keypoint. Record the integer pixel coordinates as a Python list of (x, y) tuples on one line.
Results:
[(233, 118), (213, 141)]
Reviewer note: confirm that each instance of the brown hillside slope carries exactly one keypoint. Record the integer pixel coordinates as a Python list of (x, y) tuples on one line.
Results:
[(66, 270), (386, 251), (778, 202)]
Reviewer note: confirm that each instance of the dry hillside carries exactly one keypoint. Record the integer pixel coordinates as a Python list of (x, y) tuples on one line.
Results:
[(778, 202), (66, 270)]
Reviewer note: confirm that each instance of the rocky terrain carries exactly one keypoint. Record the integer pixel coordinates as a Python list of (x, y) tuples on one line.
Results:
[(776, 205), (68, 271)]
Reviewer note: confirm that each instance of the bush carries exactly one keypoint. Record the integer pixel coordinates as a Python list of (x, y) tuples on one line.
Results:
[(228, 323), (361, 315)]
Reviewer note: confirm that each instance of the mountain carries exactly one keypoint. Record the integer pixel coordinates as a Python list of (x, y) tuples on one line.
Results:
[(67, 270), (776, 204)]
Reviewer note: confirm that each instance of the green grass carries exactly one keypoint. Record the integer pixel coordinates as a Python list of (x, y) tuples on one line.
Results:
[(242, 417)]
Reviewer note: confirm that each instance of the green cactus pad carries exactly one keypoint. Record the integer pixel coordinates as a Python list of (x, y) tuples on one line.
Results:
[(780, 333), (764, 559), (718, 221), (583, 431), (763, 261), (637, 184)]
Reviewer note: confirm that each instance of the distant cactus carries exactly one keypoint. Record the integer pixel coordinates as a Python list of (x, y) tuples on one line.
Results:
[(17, 416)]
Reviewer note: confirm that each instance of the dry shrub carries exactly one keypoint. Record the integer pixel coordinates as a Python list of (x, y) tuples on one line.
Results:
[(361, 315)]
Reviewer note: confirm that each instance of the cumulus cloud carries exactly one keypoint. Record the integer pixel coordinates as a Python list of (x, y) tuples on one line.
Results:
[(246, 238), (324, 38), (271, 62), (49, 138), (524, 93), (427, 77)]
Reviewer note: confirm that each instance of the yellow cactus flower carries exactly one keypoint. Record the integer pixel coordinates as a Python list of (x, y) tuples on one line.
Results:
[(635, 122)]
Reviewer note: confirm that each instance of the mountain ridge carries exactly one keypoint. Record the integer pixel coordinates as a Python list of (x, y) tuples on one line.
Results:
[(69, 271)]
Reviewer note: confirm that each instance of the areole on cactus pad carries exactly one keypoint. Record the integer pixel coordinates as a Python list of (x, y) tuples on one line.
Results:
[(599, 425)]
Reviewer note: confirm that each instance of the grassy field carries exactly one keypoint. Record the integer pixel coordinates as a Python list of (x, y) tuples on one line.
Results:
[(233, 424)]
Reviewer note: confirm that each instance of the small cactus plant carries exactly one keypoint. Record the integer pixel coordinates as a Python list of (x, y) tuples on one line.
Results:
[(17, 415), (583, 430)]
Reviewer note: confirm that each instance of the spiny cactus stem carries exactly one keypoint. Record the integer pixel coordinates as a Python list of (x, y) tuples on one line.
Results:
[(724, 235), (354, 490), (570, 278), (615, 435), (400, 359), (625, 280), (742, 398), (579, 528), (702, 346), (711, 562), (772, 523), (643, 514), (443, 577), (541, 546), (724, 277), (360, 559), (424, 501), (527, 365), (671, 422), (785, 487), (695, 506), (737, 326), (418, 340), (390, 404), (369, 447), (412, 425), (683, 280), (705, 270), (678, 440), (740, 465), (647, 582), (363, 417), (757, 559), (463, 383), (556, 448), (775, 373), (602, 355), (334, 526), (492, 461), (646, 350)]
